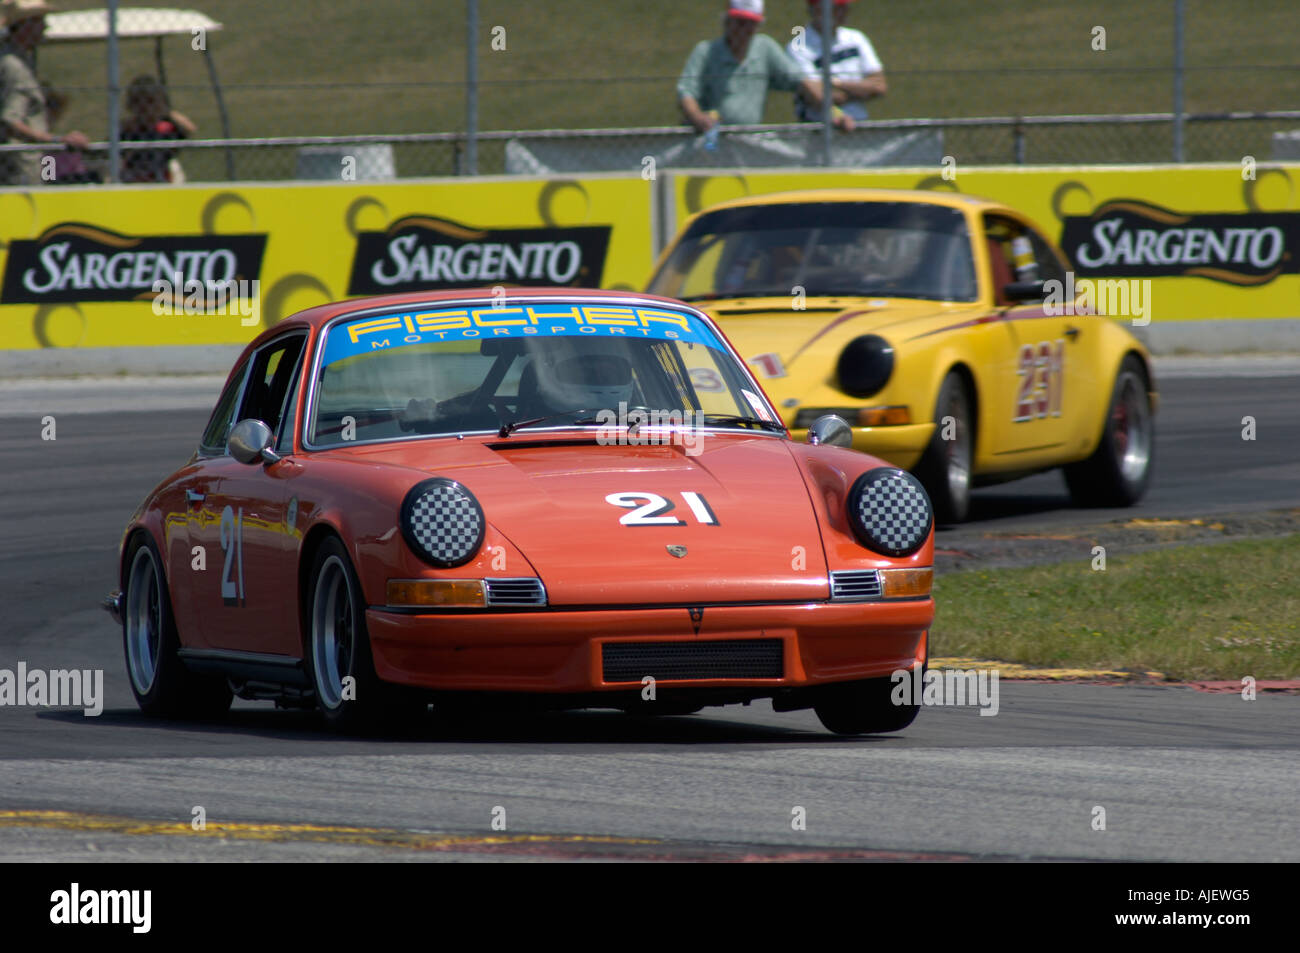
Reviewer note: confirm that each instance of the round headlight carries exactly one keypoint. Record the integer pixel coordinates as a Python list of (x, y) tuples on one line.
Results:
[(442, 522), (890, 511), (865, 365)]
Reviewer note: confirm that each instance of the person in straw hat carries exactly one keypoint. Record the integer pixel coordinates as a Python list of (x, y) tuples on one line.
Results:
[(23, 116)]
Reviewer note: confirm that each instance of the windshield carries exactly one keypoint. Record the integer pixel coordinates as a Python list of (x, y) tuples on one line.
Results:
[(457, 369), (878, 249)]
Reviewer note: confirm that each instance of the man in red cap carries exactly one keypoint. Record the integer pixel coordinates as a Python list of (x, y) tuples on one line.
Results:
[(856, 71), (726, 80), (23, 116)]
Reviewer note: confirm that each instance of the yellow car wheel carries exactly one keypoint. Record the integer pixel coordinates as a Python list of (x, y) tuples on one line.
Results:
[(1119, 469), (945, 467)]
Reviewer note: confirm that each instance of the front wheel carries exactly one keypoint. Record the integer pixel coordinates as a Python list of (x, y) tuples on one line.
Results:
[(945, 467), (863, 708), (1119, 469), (349, 695), (162, 685)]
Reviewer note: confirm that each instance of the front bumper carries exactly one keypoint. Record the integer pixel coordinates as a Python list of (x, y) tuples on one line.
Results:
[(563, 651), (900, 444)]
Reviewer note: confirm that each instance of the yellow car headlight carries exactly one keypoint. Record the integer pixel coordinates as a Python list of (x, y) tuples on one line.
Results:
[(865, 365)]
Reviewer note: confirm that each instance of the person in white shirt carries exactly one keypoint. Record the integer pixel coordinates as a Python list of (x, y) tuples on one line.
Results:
[(856, 71)]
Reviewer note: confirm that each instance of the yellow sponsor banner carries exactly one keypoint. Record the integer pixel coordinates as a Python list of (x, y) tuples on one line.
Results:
[(112, 267), (1216, 241)]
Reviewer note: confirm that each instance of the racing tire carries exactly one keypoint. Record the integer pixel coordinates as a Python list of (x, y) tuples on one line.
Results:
[(945, 467), (1119, 470), (863, 708), (338, 649), (162, 685)]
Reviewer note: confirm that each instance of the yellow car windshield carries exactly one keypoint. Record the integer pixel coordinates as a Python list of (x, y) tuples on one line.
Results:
[(876, 249)]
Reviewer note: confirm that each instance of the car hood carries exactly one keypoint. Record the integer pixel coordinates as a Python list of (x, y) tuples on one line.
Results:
[(548, 494), (806, 343), (825, 325)]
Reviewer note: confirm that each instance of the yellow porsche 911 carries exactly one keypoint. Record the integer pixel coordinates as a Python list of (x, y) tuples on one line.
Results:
[(926, 321)]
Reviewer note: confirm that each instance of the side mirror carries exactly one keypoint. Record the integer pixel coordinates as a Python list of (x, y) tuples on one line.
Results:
[(1024, 291), (250, 442), (832, 430)]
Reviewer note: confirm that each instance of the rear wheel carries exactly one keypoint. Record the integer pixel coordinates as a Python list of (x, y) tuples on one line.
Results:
[(862, 708), (1119, 469), (349, 695), (945, 467), (159, 680)]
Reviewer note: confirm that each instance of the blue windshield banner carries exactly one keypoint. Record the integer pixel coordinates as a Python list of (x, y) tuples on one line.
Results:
[(369, 334)]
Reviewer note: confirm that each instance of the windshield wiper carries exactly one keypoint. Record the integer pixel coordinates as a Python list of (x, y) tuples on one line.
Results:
[(840, 293), (877, 292), (507, 429), (814, 292), (739, 419), (740, 293)]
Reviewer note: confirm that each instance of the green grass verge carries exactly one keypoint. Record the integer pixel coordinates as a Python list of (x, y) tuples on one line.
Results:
[(1192, 612), (393, 66)]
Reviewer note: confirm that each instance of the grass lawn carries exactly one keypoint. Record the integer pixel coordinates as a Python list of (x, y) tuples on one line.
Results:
[(298, 68), (1192, 612)]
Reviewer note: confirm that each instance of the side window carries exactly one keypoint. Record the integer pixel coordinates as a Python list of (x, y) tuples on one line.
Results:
[(214, 435), (997, 239), (1018, 253), (1049, 266), (284, 436), (270, 380)]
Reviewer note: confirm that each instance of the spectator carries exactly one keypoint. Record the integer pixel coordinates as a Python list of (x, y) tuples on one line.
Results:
[(22, 104), (726, 80), (856, 72), (68, 164), (150, 118)]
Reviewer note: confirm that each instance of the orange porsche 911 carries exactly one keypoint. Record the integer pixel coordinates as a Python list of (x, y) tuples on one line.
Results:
[(561, 498)]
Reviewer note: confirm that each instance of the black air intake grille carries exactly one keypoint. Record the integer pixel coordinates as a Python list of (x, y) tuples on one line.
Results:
[(733, 658), (855, 585), (514, 592)]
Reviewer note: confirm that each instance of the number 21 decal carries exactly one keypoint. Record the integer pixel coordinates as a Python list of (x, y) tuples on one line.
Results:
[(1041, 369), (651, 509)]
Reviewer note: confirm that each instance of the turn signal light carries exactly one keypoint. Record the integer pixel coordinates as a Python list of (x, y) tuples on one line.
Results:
[(883, 416), (906, 583), (436, 592)]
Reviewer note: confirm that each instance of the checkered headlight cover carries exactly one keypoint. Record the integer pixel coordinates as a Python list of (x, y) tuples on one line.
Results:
[(442, 522), (890, 511)]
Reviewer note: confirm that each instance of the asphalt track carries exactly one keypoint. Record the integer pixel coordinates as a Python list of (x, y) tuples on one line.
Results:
[(1182, 775)]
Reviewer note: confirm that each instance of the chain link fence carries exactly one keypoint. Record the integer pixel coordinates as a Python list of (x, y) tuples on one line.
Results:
[(378, 89), (924, 143)]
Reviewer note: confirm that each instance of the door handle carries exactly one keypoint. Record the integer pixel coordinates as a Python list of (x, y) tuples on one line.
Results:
[(193, 496), (1071, 333)]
